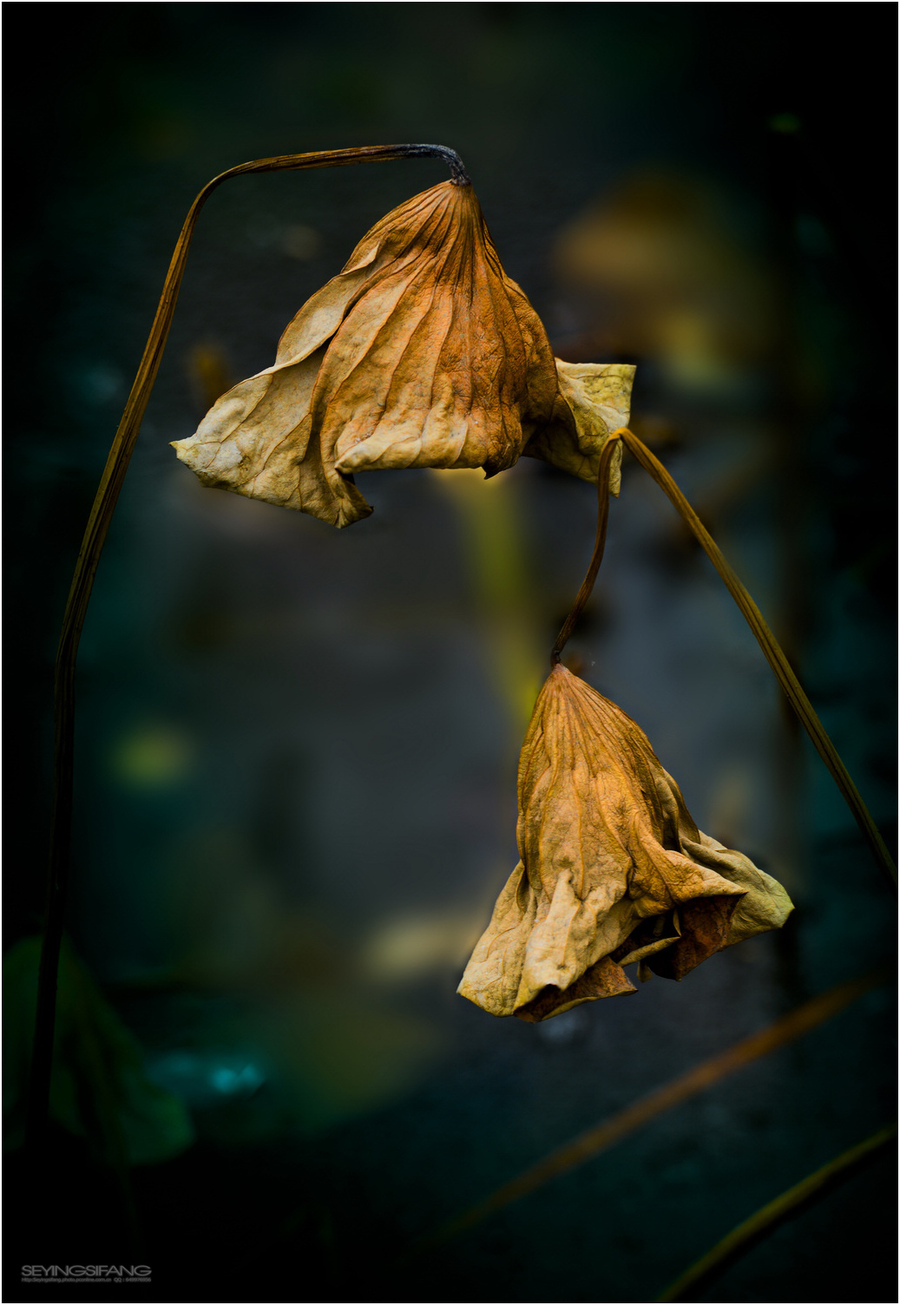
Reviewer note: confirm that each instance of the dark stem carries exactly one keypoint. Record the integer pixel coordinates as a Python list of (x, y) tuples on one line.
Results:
[(450, 157), (696, 1282), (83, 580), (587, 584)]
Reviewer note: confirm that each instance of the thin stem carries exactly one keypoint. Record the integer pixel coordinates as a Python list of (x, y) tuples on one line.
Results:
[(587, 584), (86, 568), (773, 654), (696, 1279)]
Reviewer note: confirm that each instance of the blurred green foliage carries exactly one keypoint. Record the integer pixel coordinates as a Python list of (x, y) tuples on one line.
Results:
[(99, 1088)]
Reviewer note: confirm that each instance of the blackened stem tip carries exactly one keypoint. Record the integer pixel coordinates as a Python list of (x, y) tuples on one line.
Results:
[(457, 168)]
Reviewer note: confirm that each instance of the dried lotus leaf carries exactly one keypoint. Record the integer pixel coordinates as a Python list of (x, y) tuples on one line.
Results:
[(613, 868), (421, 353)]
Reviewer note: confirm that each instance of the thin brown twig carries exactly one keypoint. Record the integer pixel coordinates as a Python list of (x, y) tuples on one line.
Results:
[(772, 652), (595, 1140), (587, 584), (86, 567), (741, 1239)]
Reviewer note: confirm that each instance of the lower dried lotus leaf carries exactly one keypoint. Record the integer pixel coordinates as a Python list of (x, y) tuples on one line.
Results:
[(613, 870)]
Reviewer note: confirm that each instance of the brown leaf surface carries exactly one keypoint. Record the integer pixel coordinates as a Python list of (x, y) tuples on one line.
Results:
[(613, 869), (421, 353)]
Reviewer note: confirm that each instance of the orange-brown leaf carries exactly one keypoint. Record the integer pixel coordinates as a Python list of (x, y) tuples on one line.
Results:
[(613, 868), (421, 353)]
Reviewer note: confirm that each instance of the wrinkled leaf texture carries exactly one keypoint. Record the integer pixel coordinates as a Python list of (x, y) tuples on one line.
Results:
[(613, 868), (422, 352)]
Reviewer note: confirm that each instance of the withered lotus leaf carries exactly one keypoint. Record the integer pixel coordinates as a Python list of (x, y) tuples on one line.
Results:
[(421, 353), (613, 869)]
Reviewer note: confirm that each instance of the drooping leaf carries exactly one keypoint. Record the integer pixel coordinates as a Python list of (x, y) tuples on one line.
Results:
[(421, 353), (613, 868)]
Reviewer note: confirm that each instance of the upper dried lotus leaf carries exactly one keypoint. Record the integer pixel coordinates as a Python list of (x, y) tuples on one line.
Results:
[(421, 353), (613, 868), (595, 400)]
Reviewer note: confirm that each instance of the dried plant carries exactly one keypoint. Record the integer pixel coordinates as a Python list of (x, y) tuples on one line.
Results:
[(422, 352), (613, 869)]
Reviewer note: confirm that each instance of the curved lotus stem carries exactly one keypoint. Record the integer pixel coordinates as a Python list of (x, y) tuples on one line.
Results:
[(86, 567), (770, 646), (587, 584), (773, 654), (772, 651)]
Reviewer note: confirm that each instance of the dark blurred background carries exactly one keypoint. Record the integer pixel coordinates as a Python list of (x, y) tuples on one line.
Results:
[(296, 747)]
